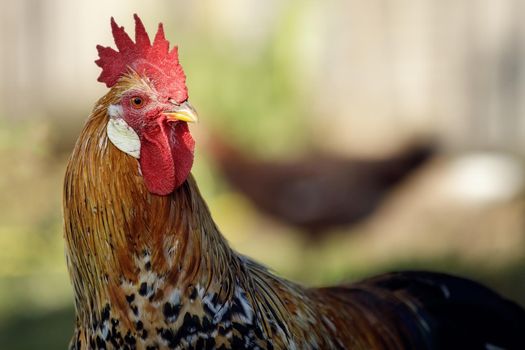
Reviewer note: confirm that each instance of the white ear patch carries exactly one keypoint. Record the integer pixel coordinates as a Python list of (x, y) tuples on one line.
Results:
[(121, 134)]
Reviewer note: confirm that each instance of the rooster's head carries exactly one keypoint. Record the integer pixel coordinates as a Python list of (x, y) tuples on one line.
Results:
[(149, 111)]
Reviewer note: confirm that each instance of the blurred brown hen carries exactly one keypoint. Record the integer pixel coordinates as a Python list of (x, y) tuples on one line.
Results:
[(319, 192), (151, 270)]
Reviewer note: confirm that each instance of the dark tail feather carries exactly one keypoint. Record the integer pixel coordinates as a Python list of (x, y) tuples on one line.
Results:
[(450, 312)]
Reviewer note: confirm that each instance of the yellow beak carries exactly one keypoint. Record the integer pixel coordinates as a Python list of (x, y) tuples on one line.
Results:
[(184, 112)]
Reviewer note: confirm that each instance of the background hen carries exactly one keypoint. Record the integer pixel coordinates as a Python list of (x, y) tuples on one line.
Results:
[(320, 192)]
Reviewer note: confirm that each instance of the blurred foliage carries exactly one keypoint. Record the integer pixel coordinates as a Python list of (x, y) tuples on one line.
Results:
[(251, 96)]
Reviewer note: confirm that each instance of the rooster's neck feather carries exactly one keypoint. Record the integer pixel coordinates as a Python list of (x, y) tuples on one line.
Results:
[(113, 224)]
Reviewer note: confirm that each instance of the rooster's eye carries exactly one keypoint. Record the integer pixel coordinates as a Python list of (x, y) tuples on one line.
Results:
[(137, 102)]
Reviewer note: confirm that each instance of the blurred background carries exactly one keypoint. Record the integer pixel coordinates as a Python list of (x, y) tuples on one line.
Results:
[(338, 138)]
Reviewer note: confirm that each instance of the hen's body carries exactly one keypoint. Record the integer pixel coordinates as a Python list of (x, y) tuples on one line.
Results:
[(154, 272), (320, 192)]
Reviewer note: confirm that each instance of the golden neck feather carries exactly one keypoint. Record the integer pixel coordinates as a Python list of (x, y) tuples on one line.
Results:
[(111, 220)]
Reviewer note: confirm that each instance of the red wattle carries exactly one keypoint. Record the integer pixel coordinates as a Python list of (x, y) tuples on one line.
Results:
[(182, 148), (166, 156)]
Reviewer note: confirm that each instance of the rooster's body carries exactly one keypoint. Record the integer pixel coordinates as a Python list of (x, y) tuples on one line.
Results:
[(151, 270)]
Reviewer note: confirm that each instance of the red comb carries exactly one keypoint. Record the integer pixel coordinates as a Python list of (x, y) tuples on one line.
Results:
[(153, 61)]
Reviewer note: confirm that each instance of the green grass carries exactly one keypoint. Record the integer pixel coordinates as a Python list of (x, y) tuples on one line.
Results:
[(37, 330)]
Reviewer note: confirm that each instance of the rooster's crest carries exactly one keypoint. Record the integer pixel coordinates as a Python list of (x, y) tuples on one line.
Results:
[(153, 61)]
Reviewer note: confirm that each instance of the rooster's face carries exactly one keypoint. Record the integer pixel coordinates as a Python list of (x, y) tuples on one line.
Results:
[(153, 128), (149, 111)]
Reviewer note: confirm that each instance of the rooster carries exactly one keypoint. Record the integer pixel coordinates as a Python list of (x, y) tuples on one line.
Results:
[(151, 270)]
